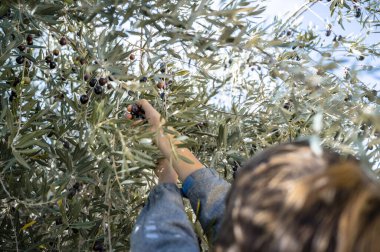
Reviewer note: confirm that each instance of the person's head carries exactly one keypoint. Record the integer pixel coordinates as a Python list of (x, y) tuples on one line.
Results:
[(289, 199)]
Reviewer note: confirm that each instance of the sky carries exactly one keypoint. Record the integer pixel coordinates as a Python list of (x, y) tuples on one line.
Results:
[(280, 7), (319, 16)]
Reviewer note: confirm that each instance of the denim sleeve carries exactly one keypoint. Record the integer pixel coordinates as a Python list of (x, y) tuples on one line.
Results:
[(207, 192), (163, 224)]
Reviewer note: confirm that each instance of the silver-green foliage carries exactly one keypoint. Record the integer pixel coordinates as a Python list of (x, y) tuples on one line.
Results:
[(74, 175)]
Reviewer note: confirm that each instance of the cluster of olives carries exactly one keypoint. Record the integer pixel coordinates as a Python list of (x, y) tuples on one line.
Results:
[(162, 85), (21, 59), (96, 84), (50, 62), (49, 59), (358, 11), (337, 38), (135, 111)]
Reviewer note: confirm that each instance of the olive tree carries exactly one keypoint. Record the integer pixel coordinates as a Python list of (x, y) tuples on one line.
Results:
[(75, 168)]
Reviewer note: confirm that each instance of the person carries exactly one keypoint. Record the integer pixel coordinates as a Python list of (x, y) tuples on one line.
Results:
[(287, 198)]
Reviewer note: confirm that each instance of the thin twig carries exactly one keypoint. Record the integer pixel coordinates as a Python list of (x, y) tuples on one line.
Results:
[(15, 233)]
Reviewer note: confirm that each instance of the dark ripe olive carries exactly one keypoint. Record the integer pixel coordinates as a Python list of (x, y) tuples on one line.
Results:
[(102, 81), (84, 99), (93, 82), (20, 59), (52, 65), (63, 41), (98, 89)]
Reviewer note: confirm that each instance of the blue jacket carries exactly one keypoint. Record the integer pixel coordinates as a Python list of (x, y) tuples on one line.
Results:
[(163, 224)]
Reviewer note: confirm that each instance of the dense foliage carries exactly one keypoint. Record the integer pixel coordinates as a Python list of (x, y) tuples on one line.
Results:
[(74, 171)]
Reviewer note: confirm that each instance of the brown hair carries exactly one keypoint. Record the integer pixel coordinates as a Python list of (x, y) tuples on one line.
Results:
[(290, 199)]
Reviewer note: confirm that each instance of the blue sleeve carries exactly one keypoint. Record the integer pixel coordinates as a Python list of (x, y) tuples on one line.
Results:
[(163, 224), (207, 193)]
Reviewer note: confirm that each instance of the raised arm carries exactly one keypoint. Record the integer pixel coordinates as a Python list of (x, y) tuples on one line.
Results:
[(163, 224), (167, 144), (204, 188)]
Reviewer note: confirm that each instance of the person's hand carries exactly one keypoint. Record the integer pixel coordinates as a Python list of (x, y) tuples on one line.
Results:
[(168, 146), (156, 121), (151, 114), (165, 172)]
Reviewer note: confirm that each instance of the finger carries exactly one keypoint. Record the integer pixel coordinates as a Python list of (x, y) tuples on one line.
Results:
[(138, 122), (128, 115), (147, 107), (151, 113)]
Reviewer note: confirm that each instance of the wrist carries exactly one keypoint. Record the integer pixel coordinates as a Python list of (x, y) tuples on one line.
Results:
[(165, 180), (165, 142)]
